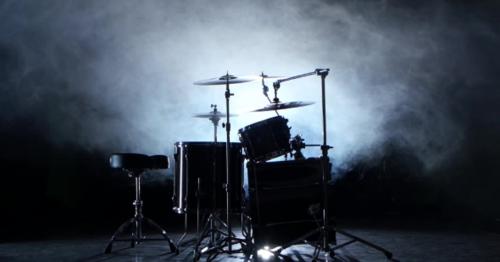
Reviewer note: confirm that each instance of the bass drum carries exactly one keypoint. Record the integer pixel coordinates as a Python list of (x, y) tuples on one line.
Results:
[(194, 169)]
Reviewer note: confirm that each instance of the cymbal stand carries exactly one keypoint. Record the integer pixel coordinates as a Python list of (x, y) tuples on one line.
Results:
[(327, 233), (214, 222)]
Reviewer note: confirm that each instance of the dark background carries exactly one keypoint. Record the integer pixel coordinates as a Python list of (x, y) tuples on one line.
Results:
[(413, 101)]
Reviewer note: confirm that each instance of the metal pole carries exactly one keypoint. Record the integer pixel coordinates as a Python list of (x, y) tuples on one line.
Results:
[(215, 133), (138, 208), (228, 178), (324, 165), (323, 104)]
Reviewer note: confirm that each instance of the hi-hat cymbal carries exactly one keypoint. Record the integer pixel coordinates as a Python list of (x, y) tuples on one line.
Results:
[(281, 106), (225, 79), (213, 114)]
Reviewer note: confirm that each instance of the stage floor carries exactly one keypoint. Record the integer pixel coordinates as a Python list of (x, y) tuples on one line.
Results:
[(406, 244)]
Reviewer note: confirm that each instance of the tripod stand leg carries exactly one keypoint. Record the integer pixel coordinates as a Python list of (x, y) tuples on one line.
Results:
[(173, 248), (120, 230), (316, 253), (180, 241), (343, 244), (301, 239), (355, 238), (203, 235), (133, 240)]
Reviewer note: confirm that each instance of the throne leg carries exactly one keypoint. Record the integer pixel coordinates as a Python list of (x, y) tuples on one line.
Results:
[(119, 231), (163, 232)]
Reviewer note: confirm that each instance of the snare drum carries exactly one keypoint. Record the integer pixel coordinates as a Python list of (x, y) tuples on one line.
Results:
[(266, 139), (194, 173)]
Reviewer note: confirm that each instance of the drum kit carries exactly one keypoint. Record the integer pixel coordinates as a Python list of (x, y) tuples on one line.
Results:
[(209, 175)]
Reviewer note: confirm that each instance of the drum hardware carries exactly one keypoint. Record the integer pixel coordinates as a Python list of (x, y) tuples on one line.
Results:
[(297, 144), (214, 116), (213, 222), (275, 104), (326, 233), (229, 238), (265, 88)]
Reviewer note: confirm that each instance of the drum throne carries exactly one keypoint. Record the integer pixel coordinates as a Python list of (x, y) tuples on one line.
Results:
[(134, 165)]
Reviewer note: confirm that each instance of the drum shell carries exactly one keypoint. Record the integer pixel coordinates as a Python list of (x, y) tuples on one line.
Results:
[(266, 139), (194, 163), (281, 194)]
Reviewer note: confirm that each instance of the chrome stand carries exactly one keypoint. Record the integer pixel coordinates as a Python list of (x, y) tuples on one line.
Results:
[(327, 240), (213, 229), (214, 118)]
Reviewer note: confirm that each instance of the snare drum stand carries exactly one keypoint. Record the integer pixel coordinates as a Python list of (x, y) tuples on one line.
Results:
[(326, 233), (212, 228)]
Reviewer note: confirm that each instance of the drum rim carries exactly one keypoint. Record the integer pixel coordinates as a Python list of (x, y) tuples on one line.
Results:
[(275, 118)]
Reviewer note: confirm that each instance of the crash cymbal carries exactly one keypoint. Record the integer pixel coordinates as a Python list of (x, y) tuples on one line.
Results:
[(224, 80), (281, 106)]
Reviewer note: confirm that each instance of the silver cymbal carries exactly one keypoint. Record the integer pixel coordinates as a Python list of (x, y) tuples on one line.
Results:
[(265, 76), (213, 115), (281, 106), (233, 79), (225, 79)]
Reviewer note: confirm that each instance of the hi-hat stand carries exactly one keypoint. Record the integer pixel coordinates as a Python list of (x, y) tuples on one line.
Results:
[(219, 239), (327, 240), (214, 116)]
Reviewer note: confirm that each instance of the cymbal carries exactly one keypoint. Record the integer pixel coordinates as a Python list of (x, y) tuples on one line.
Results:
[(224, 80), (213, 115), (280, 106), (233, 79), (266, 76)]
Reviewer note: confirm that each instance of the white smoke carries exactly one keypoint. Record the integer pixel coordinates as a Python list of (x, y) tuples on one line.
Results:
[(117, 75)]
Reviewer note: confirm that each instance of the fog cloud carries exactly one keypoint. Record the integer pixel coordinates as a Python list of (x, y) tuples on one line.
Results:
[(117, 75)]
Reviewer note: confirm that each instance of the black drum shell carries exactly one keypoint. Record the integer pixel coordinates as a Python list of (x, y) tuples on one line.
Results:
[(193, 162), (266, 139)]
